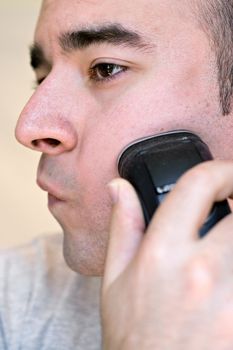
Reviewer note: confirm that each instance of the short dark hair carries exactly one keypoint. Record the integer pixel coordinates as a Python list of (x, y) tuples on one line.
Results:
[(216, 17)]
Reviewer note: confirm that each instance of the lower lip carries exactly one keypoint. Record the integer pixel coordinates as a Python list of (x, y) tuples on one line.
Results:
[(52, 201)]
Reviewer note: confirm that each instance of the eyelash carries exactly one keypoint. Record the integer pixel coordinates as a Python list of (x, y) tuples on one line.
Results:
[(95, 72), (37, 82)]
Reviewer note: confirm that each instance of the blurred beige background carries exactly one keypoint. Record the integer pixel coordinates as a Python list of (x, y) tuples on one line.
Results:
[(23, 206)]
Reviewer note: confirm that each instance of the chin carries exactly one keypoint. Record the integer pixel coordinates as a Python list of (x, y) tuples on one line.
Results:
[(85, 253)]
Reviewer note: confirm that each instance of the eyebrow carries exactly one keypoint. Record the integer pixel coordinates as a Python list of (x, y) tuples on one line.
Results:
[(37, 57), (113, 34)]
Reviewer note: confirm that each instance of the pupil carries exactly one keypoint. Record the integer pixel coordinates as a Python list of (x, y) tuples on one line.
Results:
[(106, 70)]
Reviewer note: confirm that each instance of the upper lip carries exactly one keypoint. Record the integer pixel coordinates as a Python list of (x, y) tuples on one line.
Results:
[(50, 189)]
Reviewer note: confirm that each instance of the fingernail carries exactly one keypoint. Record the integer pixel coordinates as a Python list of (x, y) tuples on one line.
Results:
[(113, 187)]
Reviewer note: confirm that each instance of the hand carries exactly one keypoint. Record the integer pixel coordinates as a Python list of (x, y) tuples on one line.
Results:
[(166, 288)]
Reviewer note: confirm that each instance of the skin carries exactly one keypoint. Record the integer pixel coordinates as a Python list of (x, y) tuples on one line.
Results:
[(166, 288), (175, 288), (172, 85)]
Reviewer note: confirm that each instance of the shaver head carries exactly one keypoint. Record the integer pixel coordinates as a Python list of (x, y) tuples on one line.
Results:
[(167, 155), (153, 165)]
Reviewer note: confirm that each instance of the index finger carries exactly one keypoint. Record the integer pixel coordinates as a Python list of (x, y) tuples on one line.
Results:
[(186, 208)]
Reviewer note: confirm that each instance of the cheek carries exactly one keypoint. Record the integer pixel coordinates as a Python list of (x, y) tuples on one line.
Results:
[(97, 167), (149, 107), (117, 126), (144, 110)]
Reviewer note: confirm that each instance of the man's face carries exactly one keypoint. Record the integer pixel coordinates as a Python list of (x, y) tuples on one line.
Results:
[(111, 72)]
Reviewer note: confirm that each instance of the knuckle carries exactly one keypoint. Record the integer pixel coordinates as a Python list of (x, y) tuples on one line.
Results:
[(155, 253), (200, 277)]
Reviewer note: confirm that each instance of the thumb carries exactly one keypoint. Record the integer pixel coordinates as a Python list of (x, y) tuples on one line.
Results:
[(126, 229)]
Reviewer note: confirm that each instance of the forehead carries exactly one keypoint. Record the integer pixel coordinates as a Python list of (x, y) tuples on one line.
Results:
[(148, 15)]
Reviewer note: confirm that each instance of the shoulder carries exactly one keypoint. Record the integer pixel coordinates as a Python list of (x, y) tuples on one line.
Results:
[(37, 259), (39, 265), (37, 286)]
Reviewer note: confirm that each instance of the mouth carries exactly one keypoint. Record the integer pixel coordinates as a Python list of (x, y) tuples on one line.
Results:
[(52, 201), (54, 196)]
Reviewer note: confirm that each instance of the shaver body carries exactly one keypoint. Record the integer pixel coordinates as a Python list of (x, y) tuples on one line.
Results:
[(153, 165)]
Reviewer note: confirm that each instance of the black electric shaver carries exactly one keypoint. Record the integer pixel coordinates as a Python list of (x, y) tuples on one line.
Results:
[(153, 165)]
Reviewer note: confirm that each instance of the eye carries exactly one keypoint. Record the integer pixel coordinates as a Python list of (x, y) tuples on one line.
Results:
[(102, 72), (37, 82)]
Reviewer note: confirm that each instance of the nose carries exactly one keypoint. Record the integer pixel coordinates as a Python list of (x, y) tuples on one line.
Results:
[(45, 125)]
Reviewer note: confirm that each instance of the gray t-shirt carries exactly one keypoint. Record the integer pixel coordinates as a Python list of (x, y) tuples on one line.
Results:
[(43, 304)]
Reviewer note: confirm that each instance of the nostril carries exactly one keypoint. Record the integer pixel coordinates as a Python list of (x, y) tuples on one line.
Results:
[(46, 142)]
